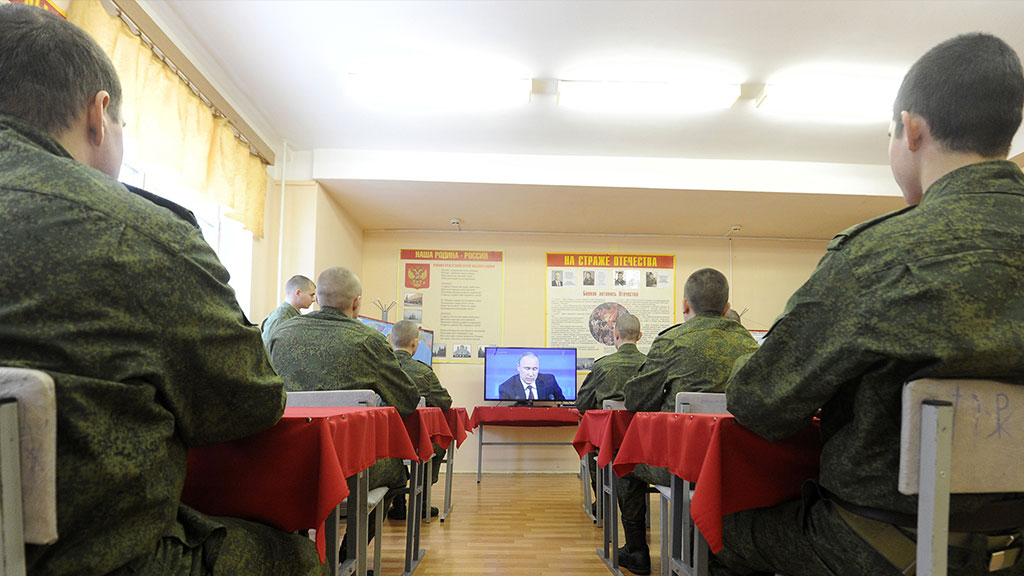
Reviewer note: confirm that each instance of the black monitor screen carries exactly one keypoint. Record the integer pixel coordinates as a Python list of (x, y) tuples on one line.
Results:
[(508, 372)]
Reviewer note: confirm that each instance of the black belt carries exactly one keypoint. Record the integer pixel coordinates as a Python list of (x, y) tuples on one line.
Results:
[(991, 517)]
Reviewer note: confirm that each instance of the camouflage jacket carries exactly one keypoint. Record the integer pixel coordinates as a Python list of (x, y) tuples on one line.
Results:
[(695, 356), (129, 310), (425, 379), (327, 350), (928, 291), (274, 319), (607, 379)]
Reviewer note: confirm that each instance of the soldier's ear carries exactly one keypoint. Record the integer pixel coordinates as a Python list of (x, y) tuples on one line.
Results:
[(916, 128), (726, 309)]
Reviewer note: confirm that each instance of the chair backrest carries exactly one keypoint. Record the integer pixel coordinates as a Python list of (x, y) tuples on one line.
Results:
[(987, 434), (957, 436), (333, 398), (701, 402), (613, 405), (28, 463)]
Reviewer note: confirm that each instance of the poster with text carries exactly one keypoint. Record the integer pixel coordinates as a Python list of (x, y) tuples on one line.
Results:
[(457, 294), (587, 292)]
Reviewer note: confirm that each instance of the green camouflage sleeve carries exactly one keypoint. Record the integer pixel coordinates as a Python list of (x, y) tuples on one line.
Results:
[(387, 378), (586, 397), (808, 354), (437, 395), (645, 391), (218, 382)]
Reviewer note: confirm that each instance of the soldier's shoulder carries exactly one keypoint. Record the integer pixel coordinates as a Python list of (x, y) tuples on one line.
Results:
[(846, 236), (670, 329)]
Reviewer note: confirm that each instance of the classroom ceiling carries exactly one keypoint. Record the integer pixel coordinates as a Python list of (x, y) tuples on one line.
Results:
[(286, 67)]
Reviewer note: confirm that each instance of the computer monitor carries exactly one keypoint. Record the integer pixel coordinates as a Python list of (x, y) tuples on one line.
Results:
[(555, 380), (426, 337)]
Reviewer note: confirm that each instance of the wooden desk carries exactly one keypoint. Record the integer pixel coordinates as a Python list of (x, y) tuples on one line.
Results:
[(518, 416), (732, 468), (425, 427), (458, 423), (294, 475), (604, 430)]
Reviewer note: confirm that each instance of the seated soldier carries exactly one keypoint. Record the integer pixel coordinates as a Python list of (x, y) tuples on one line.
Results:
[(695, 356), (330, 349), (405, 338), (126, 306), (930, 291), (608, 377)]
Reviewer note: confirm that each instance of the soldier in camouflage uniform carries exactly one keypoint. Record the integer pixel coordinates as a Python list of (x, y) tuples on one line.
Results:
[(607, 378), (405, 340), (124, 304), (695, 356), (300, 294), (933, 290), (330, 349)]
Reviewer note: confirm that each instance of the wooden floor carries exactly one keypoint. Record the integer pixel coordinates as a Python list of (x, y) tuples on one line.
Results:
[(514, 524)]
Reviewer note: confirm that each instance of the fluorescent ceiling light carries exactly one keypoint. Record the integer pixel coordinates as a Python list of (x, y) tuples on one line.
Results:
[(646, 97), (435, 93), (832, 94)]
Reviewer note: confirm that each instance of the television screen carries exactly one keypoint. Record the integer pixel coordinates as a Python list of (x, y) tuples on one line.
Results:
[(426, 338), (549, 374)]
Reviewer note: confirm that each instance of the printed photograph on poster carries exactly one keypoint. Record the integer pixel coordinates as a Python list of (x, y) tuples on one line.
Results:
[(457, 294), (583, 316)]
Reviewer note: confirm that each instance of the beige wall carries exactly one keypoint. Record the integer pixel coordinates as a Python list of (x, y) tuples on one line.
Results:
[(318, 233), (339, 240), (764, 274)]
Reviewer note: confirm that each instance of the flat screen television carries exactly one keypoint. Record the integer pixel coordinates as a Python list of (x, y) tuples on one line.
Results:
[(552, 370), (426, 338)]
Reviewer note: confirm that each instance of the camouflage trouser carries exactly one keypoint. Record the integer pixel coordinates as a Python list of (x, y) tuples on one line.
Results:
[(242, 548), (632, 491), (808, 537), (390, 472), (595, 472), (439, 454)]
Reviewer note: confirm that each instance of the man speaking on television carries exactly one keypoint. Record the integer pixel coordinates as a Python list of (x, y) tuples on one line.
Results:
[(529, 383)]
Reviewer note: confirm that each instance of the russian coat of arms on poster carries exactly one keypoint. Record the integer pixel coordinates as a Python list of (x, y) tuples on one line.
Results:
[(417, 275)]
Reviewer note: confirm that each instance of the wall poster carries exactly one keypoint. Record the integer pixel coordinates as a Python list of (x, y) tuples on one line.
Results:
[(458, 295), (587, 292)]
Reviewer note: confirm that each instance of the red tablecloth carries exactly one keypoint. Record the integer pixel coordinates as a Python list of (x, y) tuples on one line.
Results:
[(602, 430), (292, 475), (733, 468), (458, 423), (428, 426), (524, 416)]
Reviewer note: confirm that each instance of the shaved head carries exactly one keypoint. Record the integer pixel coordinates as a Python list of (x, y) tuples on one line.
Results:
[(628, 327), (338, 287), (405, 334)]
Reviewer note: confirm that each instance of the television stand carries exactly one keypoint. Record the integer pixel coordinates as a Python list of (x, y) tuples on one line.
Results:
[(527, 403)]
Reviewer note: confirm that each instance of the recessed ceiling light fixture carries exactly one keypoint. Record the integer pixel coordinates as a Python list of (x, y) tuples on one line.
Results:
[(832, 93)]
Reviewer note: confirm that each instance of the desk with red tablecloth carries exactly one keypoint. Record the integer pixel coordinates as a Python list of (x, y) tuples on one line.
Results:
[(426, 426), (604, 430), (293, 475), (732, 468), (522, 417), (458, 423)]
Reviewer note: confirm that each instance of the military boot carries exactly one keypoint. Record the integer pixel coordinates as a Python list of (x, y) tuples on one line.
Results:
[(635, 556)]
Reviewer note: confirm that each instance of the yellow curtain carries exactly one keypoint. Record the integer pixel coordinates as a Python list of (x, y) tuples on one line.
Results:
[(173, 127)]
